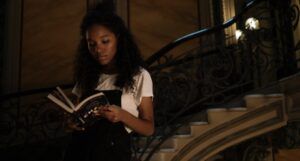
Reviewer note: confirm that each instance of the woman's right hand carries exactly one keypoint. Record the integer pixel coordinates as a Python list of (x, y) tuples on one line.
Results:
[(70, 125)]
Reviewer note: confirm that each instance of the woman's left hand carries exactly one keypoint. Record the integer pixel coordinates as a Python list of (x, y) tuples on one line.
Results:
[(112, 113)]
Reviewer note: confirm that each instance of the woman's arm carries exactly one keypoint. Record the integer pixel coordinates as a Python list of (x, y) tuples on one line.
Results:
[(144, 124)]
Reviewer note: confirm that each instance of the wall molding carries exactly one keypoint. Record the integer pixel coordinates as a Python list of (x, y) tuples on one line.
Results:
[(12, 46)]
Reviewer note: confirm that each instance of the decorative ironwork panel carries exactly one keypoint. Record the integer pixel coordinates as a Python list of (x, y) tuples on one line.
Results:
[(215, 73), (259, 148), (34, 128)]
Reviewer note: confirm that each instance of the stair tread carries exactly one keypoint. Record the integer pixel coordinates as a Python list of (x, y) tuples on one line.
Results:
[(198, 123), (182, 135)]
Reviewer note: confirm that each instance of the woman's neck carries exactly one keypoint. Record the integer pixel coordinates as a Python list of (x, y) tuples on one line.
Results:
[(109, 69)]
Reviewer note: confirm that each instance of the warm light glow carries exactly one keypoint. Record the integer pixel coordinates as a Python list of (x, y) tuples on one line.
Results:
[(238, 34), (252, 24)]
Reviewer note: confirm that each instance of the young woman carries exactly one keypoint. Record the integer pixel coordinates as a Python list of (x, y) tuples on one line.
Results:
[(109, 61)]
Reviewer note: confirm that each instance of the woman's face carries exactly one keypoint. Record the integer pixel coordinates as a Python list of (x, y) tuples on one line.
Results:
[(102, 44)]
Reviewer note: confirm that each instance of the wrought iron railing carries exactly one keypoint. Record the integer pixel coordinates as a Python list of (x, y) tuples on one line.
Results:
[(214, 74), (31, 127)]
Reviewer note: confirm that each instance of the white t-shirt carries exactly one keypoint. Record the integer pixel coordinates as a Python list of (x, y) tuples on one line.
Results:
[(130, 99)]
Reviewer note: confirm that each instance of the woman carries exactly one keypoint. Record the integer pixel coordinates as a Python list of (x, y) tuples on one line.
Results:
[(109, 61)]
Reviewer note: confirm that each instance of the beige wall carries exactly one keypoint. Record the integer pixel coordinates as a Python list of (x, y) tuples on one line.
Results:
[(49, 40), (50, 34), (157, 22)]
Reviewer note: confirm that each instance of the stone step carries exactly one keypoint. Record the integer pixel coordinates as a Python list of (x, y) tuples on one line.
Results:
[(257, 100)]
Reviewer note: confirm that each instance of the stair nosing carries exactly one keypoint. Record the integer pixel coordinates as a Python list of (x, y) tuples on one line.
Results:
[(167, 150), (216, 109), (237, 109), (198, 123), (182, 135)]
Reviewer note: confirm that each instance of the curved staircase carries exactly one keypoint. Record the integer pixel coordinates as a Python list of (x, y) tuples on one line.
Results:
[(198, 140)]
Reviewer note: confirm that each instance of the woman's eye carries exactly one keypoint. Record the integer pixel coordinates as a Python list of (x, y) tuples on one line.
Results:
[(105, 41)]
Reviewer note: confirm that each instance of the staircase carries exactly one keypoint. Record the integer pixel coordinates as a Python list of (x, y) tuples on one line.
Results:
[(224, 127)]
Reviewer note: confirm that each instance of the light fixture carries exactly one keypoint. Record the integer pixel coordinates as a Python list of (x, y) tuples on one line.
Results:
[(238, 34), (252, 23)]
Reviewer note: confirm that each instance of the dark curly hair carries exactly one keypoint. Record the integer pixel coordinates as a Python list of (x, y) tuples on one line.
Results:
[(128, 57)]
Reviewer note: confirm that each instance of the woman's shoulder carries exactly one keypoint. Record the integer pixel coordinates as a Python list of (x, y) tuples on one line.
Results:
[(143, 73)]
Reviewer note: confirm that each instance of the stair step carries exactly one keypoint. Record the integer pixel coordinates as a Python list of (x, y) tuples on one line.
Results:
[(257, 100), (180, 142), (217, 116), (154, 157), (183, 130), (237, 109), (228, 109), (182, 136), (196, 117), (167, 150), (159, 150), (217, 109), (198, 123), (142, 143), (160, 156)]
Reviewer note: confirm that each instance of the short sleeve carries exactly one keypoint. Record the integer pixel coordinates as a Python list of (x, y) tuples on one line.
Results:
[(144, 86)]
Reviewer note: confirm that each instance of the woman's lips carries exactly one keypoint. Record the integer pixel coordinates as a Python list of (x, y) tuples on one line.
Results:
[(102, 57)]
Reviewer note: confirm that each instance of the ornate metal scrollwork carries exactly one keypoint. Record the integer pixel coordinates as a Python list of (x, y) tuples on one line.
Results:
[(30, 128), (261, 147)]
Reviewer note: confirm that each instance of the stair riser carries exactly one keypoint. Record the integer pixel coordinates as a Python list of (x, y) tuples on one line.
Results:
[(256, 101)]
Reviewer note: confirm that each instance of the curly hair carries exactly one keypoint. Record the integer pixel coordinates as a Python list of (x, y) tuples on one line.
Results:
[(128, 57)]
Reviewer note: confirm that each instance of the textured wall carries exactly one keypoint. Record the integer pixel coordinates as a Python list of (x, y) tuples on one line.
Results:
[(49, 40), (51, 32), (157, 22)]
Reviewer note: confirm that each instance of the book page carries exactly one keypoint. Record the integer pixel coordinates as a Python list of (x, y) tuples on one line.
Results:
[(66, 98), (60, 103)]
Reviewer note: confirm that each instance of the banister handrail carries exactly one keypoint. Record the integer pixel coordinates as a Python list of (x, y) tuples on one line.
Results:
[(198, 33), (32, 92)]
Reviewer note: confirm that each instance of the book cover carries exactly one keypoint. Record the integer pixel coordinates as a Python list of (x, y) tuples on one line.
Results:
[(82, 113)]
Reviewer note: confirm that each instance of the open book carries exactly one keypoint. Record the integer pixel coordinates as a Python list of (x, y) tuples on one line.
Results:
[(82, 112)]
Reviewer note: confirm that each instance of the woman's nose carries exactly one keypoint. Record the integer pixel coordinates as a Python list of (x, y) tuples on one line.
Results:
[(99, 49)]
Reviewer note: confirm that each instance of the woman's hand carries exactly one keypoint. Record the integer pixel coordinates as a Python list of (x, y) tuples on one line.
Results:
[(112, 113), (143, 124), (72, 126)]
